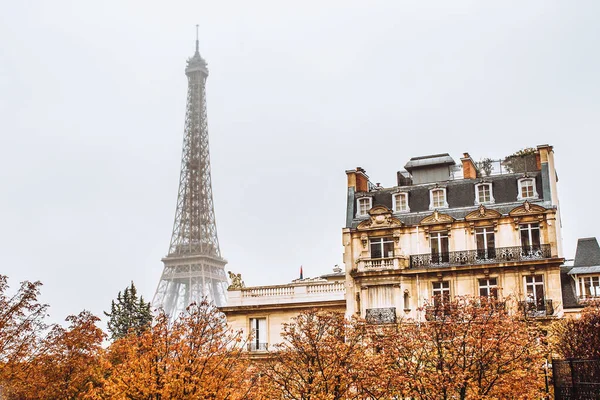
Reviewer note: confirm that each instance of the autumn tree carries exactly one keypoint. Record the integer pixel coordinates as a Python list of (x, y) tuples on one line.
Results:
[(66, 365), (195, 356), (21, 324), (129, 314), (466, 349), (322, 356), (579, 338)]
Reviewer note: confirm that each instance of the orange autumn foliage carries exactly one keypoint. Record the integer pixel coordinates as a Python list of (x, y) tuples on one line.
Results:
[(66, 365), (469, 348), (194, 357)]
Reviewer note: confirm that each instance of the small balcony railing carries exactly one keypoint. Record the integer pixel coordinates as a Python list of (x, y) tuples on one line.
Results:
[(477, 257), (385, 263), (536, 309), (381, 315), (257, 346)]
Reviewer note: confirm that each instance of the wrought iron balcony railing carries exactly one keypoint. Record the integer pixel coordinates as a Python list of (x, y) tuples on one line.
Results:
[(381, 315), (257, 346), (477, 257), (539, 308)]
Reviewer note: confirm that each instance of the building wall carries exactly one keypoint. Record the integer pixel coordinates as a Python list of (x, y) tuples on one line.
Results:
[(411, 233)]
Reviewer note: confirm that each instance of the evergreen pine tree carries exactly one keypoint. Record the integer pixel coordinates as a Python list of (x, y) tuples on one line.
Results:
[(128, 314)]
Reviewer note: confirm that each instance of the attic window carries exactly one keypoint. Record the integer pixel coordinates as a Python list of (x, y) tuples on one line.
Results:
[(437, 198), (400, 202), (483, 194), (364, 205), (527, 189)]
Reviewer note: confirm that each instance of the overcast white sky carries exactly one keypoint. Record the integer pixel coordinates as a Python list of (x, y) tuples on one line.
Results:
[(92, 103)]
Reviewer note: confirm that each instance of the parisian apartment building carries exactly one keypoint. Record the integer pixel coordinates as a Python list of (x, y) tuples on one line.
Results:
[(449, 227)]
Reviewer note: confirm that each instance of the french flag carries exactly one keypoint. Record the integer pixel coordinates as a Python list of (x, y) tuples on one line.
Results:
[(301, 275)]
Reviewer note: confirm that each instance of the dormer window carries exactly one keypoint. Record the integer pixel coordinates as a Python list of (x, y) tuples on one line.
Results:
[(364, 205), (483, 194), (400, 202), (527, 189), (437, 198)]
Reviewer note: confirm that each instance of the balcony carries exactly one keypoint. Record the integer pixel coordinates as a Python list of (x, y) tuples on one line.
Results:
[(480, 257), (381, 315), (257, 346), (375, 264), (301, 292), (537, 309)]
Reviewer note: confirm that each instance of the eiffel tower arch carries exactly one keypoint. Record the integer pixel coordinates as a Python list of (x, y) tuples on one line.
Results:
[(193, 268)]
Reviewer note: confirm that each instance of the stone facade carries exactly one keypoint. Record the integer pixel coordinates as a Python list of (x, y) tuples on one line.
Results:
[(477, 229), (261, 310)]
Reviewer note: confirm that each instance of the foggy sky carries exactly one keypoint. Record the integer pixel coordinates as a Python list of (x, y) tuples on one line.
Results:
[(92, 105)]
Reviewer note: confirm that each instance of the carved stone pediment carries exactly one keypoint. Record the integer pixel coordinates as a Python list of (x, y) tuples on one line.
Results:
[(526, 209), (380, 217), (437, 218), (482, 213), (528, 213)]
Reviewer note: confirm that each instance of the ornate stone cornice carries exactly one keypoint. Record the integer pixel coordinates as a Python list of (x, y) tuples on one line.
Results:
[(528, 212), (380, 217), (482, 213), (437, 218)]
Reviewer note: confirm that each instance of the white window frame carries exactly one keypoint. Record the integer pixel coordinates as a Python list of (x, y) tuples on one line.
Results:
[(477, 200), (431, 205), (594, 290), (520, 183), (262, 337), (369, 206), (442, 290), (531, 295), (381, 243), (529, 228), (394, 199), (484, 283)]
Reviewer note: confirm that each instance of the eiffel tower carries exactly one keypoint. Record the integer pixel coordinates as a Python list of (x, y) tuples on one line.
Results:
[(193, 268)]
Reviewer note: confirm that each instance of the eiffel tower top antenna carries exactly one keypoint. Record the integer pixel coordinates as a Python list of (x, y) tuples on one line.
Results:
[(197, 41)]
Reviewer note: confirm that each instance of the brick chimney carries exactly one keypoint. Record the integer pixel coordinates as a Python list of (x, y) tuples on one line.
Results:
[(469, 168), (358, 179)]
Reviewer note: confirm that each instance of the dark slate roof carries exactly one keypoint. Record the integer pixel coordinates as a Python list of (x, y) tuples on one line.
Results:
[(460, 193), (413, 218), (567, 285), (594, 269), (587, 253)]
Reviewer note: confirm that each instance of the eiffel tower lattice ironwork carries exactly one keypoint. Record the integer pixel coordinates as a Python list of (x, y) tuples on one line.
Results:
[(194, 268)]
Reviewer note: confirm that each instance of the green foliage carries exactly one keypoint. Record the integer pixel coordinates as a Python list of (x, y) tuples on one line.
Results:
[(485, 167), (129, 314), (521, 161)]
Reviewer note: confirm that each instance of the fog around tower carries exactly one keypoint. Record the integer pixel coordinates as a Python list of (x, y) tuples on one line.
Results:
[(92, 106)]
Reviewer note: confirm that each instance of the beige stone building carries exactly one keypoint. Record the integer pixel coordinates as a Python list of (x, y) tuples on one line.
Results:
[(481, 229), (261, 310), (489, 228)]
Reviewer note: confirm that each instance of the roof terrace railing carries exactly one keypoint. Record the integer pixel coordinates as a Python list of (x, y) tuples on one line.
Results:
[(478, 257)]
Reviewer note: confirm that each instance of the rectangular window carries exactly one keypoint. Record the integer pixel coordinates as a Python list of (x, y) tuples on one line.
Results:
[(439, 247), (486, 246), (440, 292), (438, 198), (527, 189), (401, 202), (484, 193), (382, 247), (488, 287), (364, 205), (534, 289), (258, 329), (589, 286), (530, 238)]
